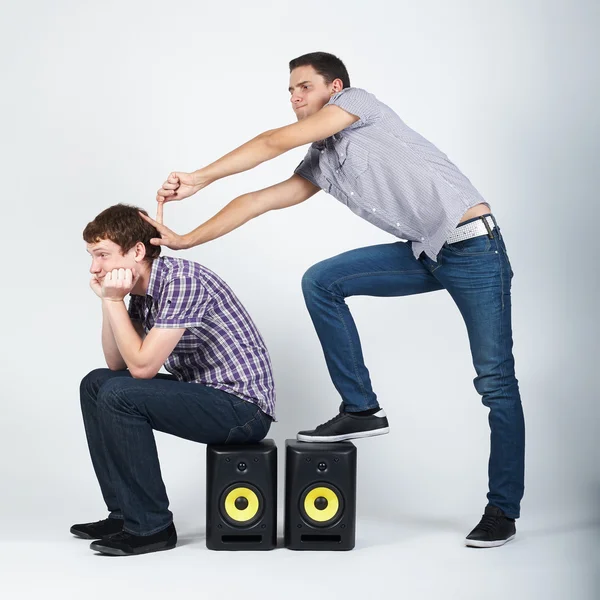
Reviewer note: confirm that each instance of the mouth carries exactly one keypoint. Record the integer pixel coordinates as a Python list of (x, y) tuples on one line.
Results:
[(297, 107)]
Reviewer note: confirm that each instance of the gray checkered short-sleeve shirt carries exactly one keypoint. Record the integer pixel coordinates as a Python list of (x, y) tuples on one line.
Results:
[(388, 174)]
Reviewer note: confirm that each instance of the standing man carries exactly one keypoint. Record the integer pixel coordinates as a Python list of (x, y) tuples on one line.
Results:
[(219, 388), (365, 156)]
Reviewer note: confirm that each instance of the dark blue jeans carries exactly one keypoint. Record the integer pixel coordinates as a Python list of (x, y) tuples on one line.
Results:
[(477, 274), (119, 414)]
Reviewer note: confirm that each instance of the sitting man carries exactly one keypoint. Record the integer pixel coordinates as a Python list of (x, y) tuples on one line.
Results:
[(219, 390)]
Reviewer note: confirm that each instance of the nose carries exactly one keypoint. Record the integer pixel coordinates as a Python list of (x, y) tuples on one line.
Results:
[(296, 98), (95, 268)]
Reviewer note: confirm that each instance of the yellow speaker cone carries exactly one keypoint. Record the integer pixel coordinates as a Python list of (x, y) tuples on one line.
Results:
[(321, 504), (241, 504)]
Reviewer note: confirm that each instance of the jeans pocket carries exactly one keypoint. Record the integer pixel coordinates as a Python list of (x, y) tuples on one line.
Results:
[(252, 431)]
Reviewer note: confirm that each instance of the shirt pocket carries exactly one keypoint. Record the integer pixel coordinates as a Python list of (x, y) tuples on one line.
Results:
[(352, 163)]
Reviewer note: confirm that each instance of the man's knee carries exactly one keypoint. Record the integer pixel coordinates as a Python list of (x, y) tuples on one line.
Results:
[(94, 382), (316, 279)]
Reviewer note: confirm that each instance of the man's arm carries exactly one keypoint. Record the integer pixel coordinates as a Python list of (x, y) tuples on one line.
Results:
[(324, 123), (242, 209), (143, 358)]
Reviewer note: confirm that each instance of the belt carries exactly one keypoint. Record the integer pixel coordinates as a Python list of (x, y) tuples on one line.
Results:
[(482, 226)]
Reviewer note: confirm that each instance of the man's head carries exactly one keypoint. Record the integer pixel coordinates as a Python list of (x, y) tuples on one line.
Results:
[(118, 238), (314, 78)]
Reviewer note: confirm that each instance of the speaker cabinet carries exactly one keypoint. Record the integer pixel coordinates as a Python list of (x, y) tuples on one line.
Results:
[(241, 496), (320, 495)]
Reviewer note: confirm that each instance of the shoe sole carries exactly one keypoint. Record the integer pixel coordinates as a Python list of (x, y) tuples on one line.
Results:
[(340, 438), (483, 544), (96, 546), (83, 536)]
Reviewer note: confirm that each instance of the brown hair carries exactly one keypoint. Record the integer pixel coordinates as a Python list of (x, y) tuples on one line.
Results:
[(123, 225)]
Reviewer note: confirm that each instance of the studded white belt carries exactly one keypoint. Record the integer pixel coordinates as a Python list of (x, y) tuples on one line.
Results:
[(471, 230)]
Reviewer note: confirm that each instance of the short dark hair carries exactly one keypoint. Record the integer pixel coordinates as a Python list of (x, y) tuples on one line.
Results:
[(327, 65), (123, 225)]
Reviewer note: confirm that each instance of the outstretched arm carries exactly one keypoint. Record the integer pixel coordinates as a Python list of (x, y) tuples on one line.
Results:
[(324, 123), (242, 209)]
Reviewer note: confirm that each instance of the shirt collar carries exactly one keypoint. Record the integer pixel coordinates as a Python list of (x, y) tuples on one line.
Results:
[(156, 273)]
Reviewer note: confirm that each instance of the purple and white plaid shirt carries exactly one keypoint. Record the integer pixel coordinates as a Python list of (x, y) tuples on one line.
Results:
[(221, 346)]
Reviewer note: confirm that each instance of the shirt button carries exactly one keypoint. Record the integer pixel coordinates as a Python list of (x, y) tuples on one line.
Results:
[(322, 151), (422, 239), (352, 193), (374, 209), (397, 224), (341, 155)]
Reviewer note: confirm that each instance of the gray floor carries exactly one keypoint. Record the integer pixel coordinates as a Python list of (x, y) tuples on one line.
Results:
[(413, 559)]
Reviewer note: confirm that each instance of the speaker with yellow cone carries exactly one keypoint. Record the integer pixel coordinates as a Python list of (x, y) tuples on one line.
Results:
[(320, 489), (241, 501)]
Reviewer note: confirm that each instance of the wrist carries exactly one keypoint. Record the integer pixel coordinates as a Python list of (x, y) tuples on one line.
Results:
[(111, 301), (202, 178)]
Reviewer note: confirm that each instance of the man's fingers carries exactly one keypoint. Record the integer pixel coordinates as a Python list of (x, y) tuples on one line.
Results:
[(167, 185), (156, 242), (151, 221), (165, 193), (159, 212), (173, 178)]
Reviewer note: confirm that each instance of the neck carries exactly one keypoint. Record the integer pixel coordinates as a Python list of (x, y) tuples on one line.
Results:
[(141, 286)]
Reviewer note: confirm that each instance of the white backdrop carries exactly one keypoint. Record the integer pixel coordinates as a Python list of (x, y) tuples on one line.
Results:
[(101, 100)]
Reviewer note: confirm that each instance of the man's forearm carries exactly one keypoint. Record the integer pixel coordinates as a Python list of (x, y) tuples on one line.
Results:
[(233, 215), (113, 357), (244, 158), (127, 340)]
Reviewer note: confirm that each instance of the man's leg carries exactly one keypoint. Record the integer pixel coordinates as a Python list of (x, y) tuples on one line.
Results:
[(129, 409), (477, 274), (88, 393), (384, 270)]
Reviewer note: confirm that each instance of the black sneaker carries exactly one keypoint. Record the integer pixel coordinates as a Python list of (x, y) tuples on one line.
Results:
[(494, 529), (126, 544), (346, 426), (97, 530)]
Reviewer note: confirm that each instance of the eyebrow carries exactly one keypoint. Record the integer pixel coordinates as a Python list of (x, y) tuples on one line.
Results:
[(96, 250), (298, 85)]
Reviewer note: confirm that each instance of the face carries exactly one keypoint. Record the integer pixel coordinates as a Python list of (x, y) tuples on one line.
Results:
[(309, 92), (106, 256)]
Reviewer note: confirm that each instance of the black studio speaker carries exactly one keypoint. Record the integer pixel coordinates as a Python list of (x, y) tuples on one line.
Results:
[(320, 495), (241, 496)]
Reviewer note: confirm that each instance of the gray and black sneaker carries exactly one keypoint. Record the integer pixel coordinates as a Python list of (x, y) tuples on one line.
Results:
[(347, 426), (494, 529)]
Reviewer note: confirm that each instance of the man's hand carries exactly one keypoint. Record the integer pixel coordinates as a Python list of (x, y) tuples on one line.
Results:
[(96, 286), (167, 238), (179, 186), (117, 284)]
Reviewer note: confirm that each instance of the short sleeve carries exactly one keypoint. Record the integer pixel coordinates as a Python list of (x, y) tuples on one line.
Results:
[(358, 102), (305, 170), (183, 302), (136, 312)]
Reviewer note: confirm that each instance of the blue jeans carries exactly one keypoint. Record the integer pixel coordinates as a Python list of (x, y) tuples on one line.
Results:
[(119, 414), (477, 274)]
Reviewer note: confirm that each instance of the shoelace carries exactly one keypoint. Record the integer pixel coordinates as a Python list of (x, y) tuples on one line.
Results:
[(338, 416), (121, 536), (488, 523)]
